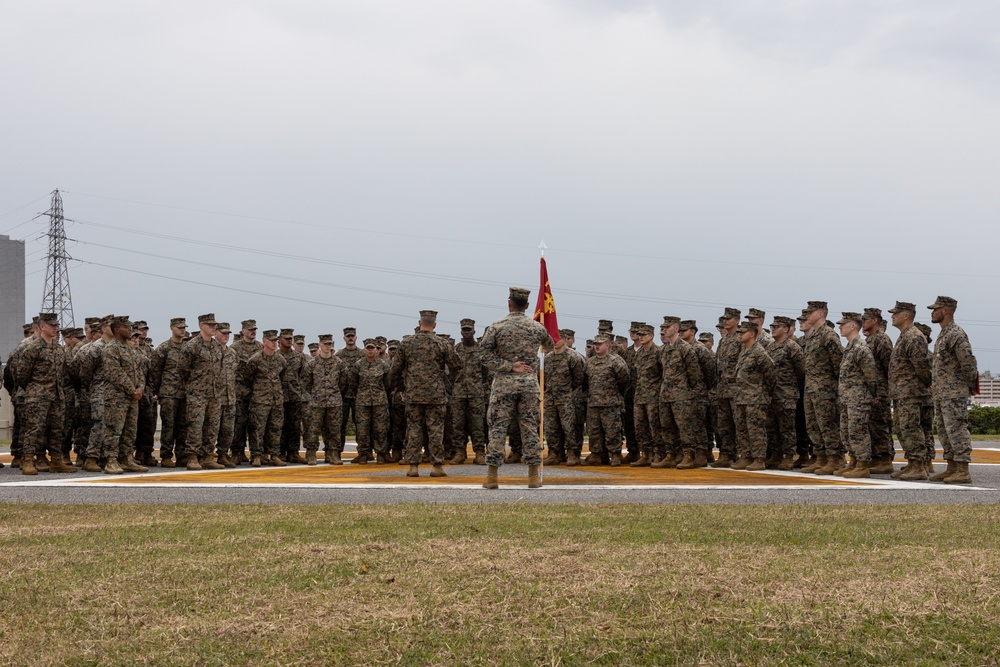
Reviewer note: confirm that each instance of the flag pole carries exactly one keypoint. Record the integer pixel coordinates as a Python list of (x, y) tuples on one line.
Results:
[(541, 390)]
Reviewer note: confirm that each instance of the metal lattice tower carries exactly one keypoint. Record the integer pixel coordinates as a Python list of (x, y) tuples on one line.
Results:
[(57, 298)]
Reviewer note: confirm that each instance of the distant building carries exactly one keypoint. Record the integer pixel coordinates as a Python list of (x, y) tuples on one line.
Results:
[(11, 294), (989, 391)]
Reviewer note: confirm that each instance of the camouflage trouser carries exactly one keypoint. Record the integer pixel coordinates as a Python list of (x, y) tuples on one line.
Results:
[(95, 443), (145, 430), (681, 424), (953, 429), (784, 421), (171, 418), (425, 424), (648, 430), (121, 414), (448, 438), (880, 428), (69, 424), (325, 421), (560, 420), (227, 423), (628, 422), (397, 431), (855, 429), (711, 433), (373, 428), (265, 427), (580, 424), (291, 429), (81, 423), (17, 428), (514, 438), (467, 423), (43, 426), (725, 426), (203, 415), (346, 414), (604, 426), (823, 422), (521, 408), (907, 416), (241, 426), (927, 424), (751, 430), (803, 445)]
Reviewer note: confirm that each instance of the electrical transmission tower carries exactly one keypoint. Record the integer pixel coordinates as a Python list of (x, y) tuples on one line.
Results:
[(57, 298)]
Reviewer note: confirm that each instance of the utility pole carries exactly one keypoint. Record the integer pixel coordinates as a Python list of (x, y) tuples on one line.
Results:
[(57, 298)]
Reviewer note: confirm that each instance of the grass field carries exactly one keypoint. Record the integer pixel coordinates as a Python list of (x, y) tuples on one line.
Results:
[(471, 585)]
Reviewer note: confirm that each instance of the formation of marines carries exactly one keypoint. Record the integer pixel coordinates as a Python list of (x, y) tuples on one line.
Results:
[(764, 398)]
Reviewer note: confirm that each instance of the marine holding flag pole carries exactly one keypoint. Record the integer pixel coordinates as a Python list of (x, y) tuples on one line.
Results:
[(545, 314)]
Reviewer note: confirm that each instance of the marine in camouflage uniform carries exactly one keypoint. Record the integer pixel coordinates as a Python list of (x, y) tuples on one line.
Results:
[(201, 370), (628, 417), (764, 339), (145, 431), (124, 384), (803, 445), (468, 401), (16, 393), (755, 385), (326, 379), (880, 424), (910, 390), (291, 430), (72, 339), (93, 377), (955, 378), (349, 355), (564, 373), (682, 395), (227, 399), (857, 396), (789, 374), (607, 378), (244, 348), (264, 374), (397, 412), (370, 376), (709, 373), (169, 387), (726, 358), (823, 354), (82, 421), (646, 372), (421, 366), (927, 411)]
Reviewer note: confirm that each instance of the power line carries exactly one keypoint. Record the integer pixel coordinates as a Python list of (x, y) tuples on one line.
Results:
[(15, 210)]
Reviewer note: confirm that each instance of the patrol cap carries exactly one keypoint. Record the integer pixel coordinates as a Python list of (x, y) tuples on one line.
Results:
[(781, 321), (730, 313), (756, 313), (601, 338), (178, 322), (207, 318), (706, 335), (520, 293), (428, 316), (567, 333), (745, 327), (815, 305), (106, 320), (140, 325), (350, 331), (380, 340), (299, 338), (636, 326), (120, 321), (249, 324), (224, 328), (51, 319), (670, 319), (850, 317), (804, 316), (923, 328), (621, 339), (590, 342), (902, 307), (605, 325), (392, 344), (27, 327), (68, 332), (270, 334), (943, 302), (468, 324), (646, 329), (313, 347), (829, 323), (92, 321), (370, 342), (287, 333), (721, 324), (689, 324), (872, 314), (326, 338)]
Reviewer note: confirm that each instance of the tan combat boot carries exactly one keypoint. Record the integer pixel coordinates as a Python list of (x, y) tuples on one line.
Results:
[(960, 476), (833, 463), (480, 459), (917, 472), (642, 462), (741, 463), (192, 463), (41, 463), (758, 463), (687, 462), (129, 464), (438, 471), (255, 461), (460, 456), (572, 458), (91, 465), (902, 471), (724, 461), (414, 470), (28, 466), (167, 462), (513, 457), (277, 462), (209, 463), (112, 467), (225, 460), (552, 458), (859, 470), (295, 457), (950, 470), (310, 457), (335, 459), (701, 459), (882, 466), (616, 459), (534, 479), (59, 465), (15, 463), (815, 465), (849, 466), (593, 459), (787, 463), (381, 458), (668, 461), (360, 459), (491, 478)]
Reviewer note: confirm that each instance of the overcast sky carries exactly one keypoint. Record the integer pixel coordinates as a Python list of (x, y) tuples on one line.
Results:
[(323, 164)]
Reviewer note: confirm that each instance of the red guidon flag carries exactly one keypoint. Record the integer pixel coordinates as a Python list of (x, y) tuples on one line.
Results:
[(545, 309)]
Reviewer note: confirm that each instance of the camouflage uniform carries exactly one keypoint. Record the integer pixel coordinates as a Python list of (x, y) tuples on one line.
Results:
[(910, 390), (421, 366), (243, 351), (955, 376), (857, 396), (227, 401), (709, 373), (397, 412), (70, 413), (823, 355), (607, 377), (16, 395), (264, 375), (726, 358), (372, 418), (682, 392), (469, 400), (349, 357), (121, 367), (326, 380), (291, 430), (580, 400), (880, 424), (169, 386), (789, 373), (628, 415), (39, 371), (145, 435), (755, 385), (92, 377), (564, 373), (201, 369)]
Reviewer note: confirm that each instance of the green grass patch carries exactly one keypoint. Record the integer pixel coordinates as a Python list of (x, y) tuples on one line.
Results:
[(499, 585)]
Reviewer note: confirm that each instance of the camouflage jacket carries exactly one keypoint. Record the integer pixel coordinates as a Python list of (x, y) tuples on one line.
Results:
[(201, 368), (564, 372), (881, 346), (243, 351), (628, 356), (264, 374), (648, 373), (326, 380), (955, 368), (40, 371), (92, 377), (470, 382), (421, 367), (726, 358), (681, 380), (709, 372), (765, 340), (350, 357), (372, 381), (291, 385), (859, 380), (230, 364), (608, 378), (755, 381), (9, 371), (168, 360), (146, 353), (515, 338), (909, 367), (120, 365), (822, 359), (789, 371)]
